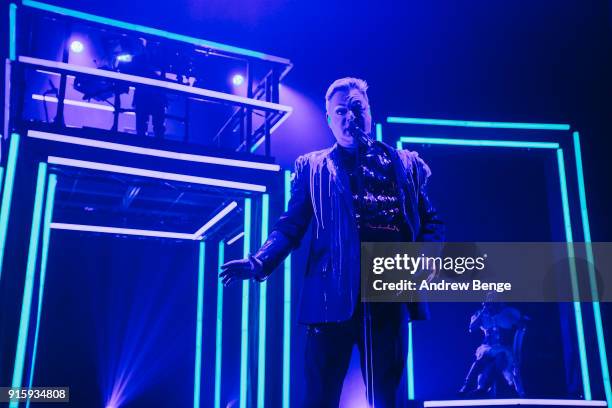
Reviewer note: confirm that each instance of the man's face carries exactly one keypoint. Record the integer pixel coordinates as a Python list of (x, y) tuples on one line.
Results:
[(339, 116)]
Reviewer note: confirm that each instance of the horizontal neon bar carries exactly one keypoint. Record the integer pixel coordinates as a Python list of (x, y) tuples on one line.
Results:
[(206, 93), (479, 124), (215, 219), (73, 102), (236, 238), (475, 142), (151, 152), (83, 164), (514, 401), (147, 233), (154, 31), (124, 231)]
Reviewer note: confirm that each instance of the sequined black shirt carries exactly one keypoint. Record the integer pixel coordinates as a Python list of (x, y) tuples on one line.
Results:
[(375, 194)]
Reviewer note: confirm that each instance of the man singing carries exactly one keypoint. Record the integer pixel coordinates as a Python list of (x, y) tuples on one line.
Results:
[(358, 190)]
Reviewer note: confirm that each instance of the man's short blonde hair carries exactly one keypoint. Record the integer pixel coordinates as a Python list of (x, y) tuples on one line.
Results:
[(346, 84)]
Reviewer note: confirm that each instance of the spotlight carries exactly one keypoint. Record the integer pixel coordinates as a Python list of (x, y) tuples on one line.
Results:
[(76, 46), (124, 58), (237, 80)]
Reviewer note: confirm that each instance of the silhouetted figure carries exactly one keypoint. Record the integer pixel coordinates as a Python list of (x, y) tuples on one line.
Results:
[(495, 359)]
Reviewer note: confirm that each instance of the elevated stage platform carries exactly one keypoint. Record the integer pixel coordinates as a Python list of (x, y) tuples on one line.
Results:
[(514, 402)]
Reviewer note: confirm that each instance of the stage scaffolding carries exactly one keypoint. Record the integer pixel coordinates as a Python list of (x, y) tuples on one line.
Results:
[(212, 186)]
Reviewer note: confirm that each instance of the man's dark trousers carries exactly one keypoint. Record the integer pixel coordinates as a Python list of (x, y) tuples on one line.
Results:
[(329, 347)]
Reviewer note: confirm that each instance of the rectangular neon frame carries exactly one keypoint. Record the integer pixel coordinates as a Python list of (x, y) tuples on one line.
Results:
[(153, 31), (134, 171), (22, 340), (166, 154), (478, 124), (26, 305), (206, 93), (263, 304), (586, 382), (244, 337)]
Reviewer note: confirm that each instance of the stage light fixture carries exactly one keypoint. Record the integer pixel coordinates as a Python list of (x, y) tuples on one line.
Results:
[(124, 58), (76, 46), (237, 80)]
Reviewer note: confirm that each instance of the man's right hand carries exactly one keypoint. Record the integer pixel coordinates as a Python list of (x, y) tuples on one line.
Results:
[(241, 269)]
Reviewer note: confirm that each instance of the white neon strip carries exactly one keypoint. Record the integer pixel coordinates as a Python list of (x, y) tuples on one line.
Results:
[(123, 231), (151, 152), (514, 401), (81, 104), (236, 238), (134, 171), (215, 219), (207, 93)]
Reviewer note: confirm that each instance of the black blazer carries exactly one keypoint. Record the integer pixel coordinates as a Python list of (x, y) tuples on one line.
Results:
[(321, 199)]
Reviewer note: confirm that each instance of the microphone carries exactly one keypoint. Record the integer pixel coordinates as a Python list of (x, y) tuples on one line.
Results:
[(356, 126)]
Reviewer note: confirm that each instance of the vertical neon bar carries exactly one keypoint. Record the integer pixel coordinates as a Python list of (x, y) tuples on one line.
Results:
[(410, 356), (7, 96), (287, 308), (12, 31), (263, 302), (584, 365), (244, 342), (379, 132), (410, 364), (601, 343), (43, 269), (200, 315), (7, 193), (219, 329), (26, 305), (1, 174)]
